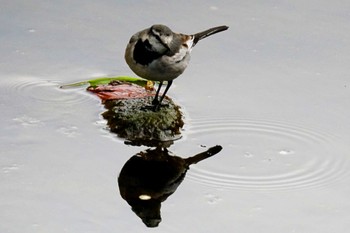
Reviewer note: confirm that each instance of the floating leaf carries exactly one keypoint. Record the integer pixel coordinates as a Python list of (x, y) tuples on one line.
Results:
[(117, 90), (106, 80)]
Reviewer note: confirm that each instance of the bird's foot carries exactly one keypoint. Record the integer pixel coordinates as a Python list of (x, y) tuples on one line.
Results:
[(154, 107), (155, 102), (158, 106), (149, 108)]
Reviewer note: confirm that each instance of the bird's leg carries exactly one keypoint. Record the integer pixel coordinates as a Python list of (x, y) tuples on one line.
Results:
[(155, 101), (166, 90), (156, 107)]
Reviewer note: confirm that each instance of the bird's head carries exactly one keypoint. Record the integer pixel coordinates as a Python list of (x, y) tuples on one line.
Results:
[(163, 39)]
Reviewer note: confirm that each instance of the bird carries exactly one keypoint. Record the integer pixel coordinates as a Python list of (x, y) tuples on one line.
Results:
[(159, 54)]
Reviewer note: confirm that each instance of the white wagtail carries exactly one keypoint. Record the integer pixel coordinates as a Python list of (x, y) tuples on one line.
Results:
[(159, 54)]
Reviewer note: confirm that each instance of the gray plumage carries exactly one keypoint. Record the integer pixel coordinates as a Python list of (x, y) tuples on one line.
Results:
[(159, 54)]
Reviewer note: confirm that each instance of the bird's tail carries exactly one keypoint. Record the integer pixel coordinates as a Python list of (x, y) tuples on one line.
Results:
[(201, 35)]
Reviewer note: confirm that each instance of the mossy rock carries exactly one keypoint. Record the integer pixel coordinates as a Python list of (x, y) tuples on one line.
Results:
[(131, 116), (133, 120)]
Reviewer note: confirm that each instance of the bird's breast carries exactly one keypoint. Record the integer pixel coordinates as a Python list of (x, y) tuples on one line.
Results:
[(151, 66), (143, 53)]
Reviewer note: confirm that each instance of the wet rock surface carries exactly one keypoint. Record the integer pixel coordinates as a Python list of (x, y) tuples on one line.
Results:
[(131, 116), (131, 119)]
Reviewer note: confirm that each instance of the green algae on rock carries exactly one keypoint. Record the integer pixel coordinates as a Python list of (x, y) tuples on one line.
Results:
[(130, 118)]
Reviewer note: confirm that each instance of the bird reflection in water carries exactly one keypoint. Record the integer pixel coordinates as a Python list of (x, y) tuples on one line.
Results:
[(150, 177)]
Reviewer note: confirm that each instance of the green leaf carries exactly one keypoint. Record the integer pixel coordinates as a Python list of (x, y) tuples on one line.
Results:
[(106, 80)]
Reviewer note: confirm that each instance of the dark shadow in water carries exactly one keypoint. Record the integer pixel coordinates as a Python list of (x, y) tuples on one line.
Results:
[(150, 177)]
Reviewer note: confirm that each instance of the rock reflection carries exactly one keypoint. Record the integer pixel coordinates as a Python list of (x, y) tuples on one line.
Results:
[(150, 177)]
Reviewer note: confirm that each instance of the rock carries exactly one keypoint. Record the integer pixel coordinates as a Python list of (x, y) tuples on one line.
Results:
[(129, 114)]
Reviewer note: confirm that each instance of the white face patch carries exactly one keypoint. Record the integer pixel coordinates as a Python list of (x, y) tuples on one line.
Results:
[(167, 39), (156, 45), (179, 56)]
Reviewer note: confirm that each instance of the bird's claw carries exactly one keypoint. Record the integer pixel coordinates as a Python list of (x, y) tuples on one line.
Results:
[(154, 107)]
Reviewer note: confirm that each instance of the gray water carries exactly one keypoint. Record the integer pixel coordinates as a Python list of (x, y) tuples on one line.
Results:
[(273, 90)]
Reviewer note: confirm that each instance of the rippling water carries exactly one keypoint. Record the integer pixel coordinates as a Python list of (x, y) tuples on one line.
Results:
[(258, 154), (42, 91), (282, 67), (267, 155), (38, 105)]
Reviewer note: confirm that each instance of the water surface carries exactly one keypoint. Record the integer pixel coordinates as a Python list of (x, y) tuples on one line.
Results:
[(273, 90)]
